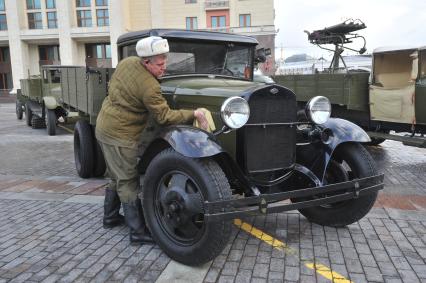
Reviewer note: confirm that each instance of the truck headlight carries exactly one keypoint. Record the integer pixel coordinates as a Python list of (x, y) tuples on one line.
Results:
[(318, 109), (235, 112)]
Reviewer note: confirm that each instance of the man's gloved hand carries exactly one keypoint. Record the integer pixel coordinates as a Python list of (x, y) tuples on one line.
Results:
[(201, 118)]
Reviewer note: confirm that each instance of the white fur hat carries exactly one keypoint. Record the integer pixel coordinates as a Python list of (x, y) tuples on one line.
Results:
[(151, 46)]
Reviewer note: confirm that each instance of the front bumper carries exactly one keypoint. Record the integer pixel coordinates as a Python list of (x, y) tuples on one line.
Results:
[(270, 203)]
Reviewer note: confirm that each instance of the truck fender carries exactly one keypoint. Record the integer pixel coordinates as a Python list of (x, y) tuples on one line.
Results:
[(50, 102), (191, 142), (187, 140), (339, 131)]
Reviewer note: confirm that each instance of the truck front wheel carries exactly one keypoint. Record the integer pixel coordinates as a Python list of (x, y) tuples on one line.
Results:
[(28, 114), (83, 149), (173, 196), (19, 111), (51, 120), (349, 161)]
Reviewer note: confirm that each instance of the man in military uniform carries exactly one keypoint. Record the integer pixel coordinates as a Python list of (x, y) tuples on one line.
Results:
[(134, 96)]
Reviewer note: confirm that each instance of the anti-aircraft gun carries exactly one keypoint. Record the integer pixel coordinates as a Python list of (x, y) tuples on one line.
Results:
[(339, 35)]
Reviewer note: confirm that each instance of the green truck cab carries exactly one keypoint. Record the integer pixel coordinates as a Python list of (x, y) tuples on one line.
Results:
[(389, 100)]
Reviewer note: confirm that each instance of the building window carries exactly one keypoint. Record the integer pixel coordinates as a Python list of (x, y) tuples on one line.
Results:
[(218, 21), (190, 1), (102, 17), (2, 7), (52, 20), (49, 53), (191, 23), (83, 3), (84, 18), (98, 55), (3, 22), (101, 2), (50, 4), (98, 51), (245, 20), (33, 4), (34, 21)]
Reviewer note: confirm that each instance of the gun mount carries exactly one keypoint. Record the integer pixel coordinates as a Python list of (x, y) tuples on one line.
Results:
[(338, 35)]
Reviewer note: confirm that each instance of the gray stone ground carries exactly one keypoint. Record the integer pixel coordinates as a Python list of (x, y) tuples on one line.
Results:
[(61, 239)]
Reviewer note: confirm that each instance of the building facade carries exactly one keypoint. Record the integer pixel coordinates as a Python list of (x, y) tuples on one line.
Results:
[(84, 32)]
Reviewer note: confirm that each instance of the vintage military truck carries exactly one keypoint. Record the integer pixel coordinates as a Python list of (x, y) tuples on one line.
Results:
[(61, 91), (73, 94), (263, 152), (264, 157), (34, 98), (390, 98)]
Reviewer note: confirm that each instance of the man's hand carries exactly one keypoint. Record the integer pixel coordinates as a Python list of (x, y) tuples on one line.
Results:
[(201, 118)]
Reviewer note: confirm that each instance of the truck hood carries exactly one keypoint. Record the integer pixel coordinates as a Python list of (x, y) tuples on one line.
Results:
[(211, 86)]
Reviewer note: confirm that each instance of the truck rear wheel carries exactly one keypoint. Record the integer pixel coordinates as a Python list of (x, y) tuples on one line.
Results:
[(51, 120), (99, 167), (350, 161), (83, 149), (28, 114), (19, 111), (174, 192)]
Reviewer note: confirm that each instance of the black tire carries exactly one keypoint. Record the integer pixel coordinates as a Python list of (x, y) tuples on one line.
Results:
[(37, 122), (19, 111), (181, 230), (28, 114), (83, 149), (51, 120), (357, 163), (99, 167)]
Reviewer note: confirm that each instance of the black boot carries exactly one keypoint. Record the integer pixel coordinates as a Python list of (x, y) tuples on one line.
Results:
[(112, 217), (139, 233)]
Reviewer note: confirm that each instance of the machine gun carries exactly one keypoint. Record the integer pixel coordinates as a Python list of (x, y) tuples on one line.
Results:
[(338, 35)]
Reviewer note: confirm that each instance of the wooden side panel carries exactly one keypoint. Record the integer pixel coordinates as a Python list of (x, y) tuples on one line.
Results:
[(97, 90), (81, 90), (350, 90)]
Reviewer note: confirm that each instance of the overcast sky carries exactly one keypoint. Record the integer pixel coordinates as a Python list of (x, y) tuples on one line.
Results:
[(389, 22)]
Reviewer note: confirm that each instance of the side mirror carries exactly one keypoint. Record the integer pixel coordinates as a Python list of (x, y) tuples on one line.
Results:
[(261, 55), (268, 52)]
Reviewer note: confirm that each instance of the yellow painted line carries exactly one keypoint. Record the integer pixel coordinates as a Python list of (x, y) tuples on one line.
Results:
[(279, 245), (66, 129), (327, 273)]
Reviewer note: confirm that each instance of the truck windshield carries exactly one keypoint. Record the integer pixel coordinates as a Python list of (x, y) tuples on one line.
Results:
[(207, 57)]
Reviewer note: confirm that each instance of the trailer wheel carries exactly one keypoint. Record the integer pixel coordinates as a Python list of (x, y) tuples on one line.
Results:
[(351, 160), (51, 120), (28, 114), (19, 112), (83, 149), (173, 196), (99, 166)]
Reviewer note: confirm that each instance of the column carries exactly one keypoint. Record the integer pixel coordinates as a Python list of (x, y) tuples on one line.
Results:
[(68, 48), (18, 49)]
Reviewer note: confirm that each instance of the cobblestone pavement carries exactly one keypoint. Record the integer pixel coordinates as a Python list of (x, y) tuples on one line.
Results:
[(51, 227)]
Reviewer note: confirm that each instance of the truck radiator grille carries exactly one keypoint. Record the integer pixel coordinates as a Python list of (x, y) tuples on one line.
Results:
[(269, 138)]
